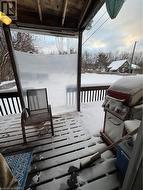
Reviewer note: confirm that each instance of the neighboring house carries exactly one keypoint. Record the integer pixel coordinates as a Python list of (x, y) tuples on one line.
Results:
[(122, 66), (119, 66)]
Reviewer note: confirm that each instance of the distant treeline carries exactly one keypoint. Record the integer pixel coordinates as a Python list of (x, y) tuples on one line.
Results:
[(100, 61)]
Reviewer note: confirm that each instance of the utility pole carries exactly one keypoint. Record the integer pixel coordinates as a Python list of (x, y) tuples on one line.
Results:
[(130, 68)]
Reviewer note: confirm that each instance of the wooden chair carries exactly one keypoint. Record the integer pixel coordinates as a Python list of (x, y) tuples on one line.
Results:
[(38, 111)]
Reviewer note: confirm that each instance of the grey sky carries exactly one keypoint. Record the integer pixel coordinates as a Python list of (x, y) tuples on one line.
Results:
[(120, 33)]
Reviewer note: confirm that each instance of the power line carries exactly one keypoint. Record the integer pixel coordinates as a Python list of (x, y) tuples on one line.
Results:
[(95, 31), (98, 20)]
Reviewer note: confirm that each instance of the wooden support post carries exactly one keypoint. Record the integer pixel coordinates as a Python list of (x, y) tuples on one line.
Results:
[(79, 69), (7, 34)]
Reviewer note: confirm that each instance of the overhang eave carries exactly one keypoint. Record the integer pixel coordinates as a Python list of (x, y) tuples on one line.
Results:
[(66, 17), (56, 31)]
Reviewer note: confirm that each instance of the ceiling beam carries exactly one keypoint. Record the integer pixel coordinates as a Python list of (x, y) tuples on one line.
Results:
[(64, 11), (39, 10), (45, 29), (84, 12)]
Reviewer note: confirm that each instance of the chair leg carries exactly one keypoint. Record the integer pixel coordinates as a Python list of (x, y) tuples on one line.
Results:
[(51, 120), (52, 128), (23, 133), (23, 127)]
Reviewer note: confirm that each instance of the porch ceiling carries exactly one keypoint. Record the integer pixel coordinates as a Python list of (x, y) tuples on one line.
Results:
[(66, 17)]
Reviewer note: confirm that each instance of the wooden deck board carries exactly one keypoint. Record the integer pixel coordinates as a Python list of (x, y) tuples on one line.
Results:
[(58, 160), (52, 156), (45, 153), (31, 133), (85, 176), (108, 182)]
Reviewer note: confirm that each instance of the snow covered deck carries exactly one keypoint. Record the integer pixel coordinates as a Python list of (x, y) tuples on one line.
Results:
[(76, 139)]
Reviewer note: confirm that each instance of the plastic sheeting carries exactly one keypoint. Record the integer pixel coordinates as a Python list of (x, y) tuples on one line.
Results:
[(57, 73)]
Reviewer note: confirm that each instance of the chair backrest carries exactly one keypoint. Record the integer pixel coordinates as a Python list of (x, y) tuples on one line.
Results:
[(37, 99)]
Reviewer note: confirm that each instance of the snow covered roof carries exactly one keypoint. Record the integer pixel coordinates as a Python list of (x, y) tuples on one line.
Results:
[(135, 66), (115, 65)]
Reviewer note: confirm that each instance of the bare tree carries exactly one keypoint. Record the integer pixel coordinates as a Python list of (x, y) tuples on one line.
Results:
[(5, 68), (89, 26), (87, 61), (21, 42)]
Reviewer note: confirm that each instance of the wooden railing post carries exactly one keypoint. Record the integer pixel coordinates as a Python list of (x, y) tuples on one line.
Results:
[(79, 69)]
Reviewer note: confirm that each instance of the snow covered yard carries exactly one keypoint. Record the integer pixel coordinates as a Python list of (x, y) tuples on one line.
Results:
[(94, 79)]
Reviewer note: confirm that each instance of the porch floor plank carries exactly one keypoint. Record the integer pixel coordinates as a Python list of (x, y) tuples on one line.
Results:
[(52, 156), (93, 173)]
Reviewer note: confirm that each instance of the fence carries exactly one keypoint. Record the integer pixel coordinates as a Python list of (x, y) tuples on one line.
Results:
[(9, 103)]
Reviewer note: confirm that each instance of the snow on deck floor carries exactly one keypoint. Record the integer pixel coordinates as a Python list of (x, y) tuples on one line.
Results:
[(73, 142), (92, 117)]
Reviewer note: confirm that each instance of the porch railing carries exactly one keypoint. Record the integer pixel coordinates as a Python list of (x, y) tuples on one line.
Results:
[(92, 93), (87, 94), (9, 103)]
